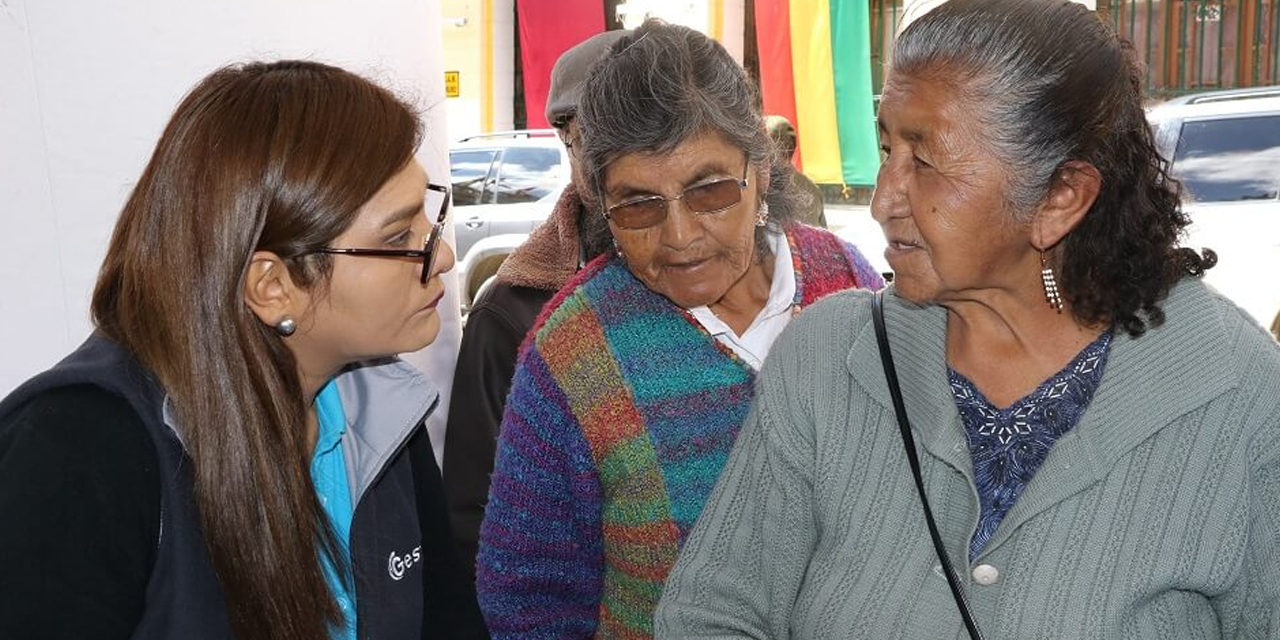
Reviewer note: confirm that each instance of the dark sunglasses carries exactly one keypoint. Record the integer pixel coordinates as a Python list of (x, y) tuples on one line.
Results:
[(428, 252), (702, 199)]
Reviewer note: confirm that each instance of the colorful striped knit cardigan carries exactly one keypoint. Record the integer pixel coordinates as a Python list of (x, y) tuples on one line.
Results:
[(621, 414)]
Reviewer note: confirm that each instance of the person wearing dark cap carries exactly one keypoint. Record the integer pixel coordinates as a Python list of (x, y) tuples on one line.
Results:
[(506, 310), (783, 135)]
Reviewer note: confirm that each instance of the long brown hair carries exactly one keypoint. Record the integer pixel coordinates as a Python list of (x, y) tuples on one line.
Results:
[(262, 156)]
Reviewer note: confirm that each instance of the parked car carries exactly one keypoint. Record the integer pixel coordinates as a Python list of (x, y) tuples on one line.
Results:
[(504, 185), (1225, 148)]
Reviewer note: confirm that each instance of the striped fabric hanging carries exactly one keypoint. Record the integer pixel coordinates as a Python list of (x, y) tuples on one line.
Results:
[(815, 69)]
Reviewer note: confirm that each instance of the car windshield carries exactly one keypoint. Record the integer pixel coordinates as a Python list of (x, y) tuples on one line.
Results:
[(527, 174), (1230, 159), (469, 171)]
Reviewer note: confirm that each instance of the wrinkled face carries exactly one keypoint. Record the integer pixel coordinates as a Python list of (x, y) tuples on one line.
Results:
[(691, 259), (940, 198), (376, 306)]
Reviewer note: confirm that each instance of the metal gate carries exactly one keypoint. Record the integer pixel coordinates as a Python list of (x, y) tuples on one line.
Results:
[(1187, 45)]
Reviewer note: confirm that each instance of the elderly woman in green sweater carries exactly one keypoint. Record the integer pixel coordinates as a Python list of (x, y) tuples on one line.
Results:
[(1098, 433)]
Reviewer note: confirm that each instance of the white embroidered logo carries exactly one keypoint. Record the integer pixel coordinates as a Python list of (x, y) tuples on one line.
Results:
[(397, 565)]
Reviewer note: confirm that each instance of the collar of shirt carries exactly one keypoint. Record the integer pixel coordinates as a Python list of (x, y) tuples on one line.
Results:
[(331, 417), (754, 343)]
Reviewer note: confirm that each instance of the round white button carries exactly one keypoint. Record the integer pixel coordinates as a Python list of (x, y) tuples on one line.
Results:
[(985, 575)]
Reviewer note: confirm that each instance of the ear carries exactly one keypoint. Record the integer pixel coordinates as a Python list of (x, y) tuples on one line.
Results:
[(762, 178), (269, 290), (1075, 187)]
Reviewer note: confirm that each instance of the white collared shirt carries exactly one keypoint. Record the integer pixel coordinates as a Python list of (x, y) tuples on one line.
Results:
[(753, 345)]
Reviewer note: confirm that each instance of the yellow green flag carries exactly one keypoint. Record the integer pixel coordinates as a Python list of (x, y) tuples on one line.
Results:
[(815, 90), (851, 66)]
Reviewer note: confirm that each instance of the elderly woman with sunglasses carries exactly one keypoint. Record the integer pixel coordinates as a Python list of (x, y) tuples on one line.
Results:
[(632, 385)]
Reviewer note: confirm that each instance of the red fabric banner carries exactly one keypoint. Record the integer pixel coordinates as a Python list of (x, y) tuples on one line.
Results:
[(548, 29), (773, 40)]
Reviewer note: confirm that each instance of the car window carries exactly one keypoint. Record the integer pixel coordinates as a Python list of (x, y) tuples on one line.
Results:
[(527, 174), (1230, 159), (468, 170)]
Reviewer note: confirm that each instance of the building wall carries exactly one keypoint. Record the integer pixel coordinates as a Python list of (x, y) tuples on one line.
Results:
[(86, 89), (720, 19), (479, 43)]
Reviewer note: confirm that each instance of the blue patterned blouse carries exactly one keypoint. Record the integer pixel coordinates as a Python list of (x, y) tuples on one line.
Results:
[(1009, 444)]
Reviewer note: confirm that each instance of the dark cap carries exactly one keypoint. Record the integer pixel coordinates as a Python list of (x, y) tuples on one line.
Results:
[(570, 72)]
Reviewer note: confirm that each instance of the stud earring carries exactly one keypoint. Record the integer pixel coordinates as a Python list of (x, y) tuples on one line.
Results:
[(762, 214), (1051, 293), (286, 327)]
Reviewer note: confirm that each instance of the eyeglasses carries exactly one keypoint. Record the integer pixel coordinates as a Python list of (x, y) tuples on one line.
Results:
[(701, 199), (430, 242)]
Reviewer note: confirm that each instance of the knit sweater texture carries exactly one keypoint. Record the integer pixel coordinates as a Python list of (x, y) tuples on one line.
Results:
[(622, 413), (1157, 516)]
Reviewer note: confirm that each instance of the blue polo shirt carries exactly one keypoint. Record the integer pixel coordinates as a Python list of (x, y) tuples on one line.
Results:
[(329, 474)]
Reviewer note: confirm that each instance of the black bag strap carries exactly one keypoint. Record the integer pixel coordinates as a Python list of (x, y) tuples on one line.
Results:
[(909, 444)]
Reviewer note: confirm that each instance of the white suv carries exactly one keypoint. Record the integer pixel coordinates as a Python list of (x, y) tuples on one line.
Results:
[(504, 185), (1225, 148)]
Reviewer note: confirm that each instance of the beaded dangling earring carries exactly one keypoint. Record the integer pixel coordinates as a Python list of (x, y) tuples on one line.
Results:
[(617, 249), (762, 214), (1051, 293)]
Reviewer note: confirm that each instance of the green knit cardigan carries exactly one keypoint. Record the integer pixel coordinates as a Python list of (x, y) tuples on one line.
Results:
[(1157, 517)]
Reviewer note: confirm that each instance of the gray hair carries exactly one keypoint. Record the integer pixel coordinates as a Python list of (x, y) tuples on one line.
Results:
[(662, 85), (1037, 72), (1049, 82)]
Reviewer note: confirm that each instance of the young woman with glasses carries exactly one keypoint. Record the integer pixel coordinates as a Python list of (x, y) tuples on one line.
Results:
[(632, 385), (236, 451)]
